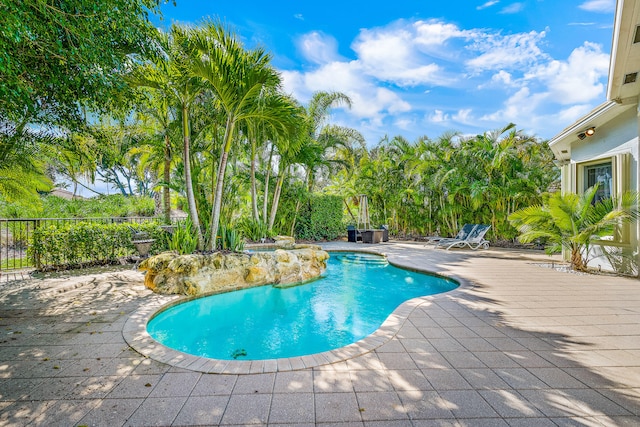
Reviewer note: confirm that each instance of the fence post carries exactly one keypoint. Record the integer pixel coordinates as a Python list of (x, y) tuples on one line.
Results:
[(36, 253), (1, 242)]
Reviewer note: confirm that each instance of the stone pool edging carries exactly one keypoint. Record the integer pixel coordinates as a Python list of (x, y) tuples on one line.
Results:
[(136, 335)]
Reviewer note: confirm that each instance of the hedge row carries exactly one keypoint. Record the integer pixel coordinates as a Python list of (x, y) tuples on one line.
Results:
[(57, 246), (321, 219)]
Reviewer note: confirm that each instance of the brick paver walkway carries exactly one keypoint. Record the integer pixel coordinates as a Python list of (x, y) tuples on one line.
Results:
[(517, 345)]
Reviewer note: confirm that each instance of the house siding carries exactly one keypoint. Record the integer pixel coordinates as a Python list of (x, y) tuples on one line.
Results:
[(616, 140)]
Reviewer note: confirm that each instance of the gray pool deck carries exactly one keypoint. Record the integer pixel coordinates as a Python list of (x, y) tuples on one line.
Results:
[(517, 344)]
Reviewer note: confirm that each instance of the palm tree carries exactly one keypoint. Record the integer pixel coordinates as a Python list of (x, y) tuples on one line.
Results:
[(239, 79), (21, 163), (157, 153), (321, 142), (74, 158), (261, 137), (169, 74), (573, 222)]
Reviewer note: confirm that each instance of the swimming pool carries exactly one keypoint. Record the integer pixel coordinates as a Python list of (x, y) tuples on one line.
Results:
[(356, 294)]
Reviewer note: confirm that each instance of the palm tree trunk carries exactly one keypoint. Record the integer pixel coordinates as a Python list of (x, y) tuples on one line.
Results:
[(577, 262), (295, 217), (276, 199), (254, 192), (222, 166), (349, 210), (191, 201), (166, 192), (309, 180), (266, 186)]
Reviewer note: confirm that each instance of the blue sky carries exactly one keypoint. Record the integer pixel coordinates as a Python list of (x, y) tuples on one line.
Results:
[(416, 68)]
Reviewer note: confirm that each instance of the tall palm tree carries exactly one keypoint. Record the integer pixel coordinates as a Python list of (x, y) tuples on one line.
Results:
[(573, 221), (261, 136), (321, 141), (170, 75), (239, 79), (157, 152)]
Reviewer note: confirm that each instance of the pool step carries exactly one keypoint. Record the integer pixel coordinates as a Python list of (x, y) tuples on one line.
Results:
[(363, 259)]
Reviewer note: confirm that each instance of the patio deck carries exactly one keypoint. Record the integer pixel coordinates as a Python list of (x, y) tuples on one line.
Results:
[(516, 345)]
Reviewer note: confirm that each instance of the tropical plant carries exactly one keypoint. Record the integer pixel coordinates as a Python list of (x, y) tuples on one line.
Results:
[(254, 230), (574, 222), (183, 239), (230, 239), (240, 81), (22, 164), (58, 56), (157, 152), (170, 75)]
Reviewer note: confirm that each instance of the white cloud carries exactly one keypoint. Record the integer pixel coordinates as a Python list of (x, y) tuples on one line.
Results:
[(500, 80), (502, 77), (396, 54), (499, 52), (299, 16), (464, 116), (368, 101), (397, 72), (318, 48), (438, 116), (576, 80), (512, 8), (435, 33), (573, 113), (599, 6), (404, 123), (519, 108), (572, 84), (488, 4)]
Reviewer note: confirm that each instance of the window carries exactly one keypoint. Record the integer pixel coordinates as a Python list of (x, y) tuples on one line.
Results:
[(599, 174), (613, 177)]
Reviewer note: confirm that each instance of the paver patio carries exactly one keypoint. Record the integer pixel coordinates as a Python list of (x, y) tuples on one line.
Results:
[(518, 344)]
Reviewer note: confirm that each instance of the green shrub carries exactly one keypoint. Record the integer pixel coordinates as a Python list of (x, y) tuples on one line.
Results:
[(321, 218), (70, 244), (115, 205), (183, 239), (254, 230), (230, 239)]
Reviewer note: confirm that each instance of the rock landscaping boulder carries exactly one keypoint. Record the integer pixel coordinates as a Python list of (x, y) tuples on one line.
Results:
[(200, 274)]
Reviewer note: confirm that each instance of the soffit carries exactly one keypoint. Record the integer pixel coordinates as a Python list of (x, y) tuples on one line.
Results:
[(625, 54), (599, 117)]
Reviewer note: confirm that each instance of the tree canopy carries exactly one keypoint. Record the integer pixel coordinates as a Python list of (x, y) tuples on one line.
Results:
[(56, 56), (211, 122)]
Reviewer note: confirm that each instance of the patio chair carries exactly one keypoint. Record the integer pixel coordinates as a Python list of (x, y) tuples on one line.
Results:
[(475, 240), (462, 234)]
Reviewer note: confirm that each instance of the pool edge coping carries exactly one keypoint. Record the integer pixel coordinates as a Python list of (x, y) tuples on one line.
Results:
[(136, 336)]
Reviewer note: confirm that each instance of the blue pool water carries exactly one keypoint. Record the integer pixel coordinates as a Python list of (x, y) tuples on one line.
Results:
[(355, 296)]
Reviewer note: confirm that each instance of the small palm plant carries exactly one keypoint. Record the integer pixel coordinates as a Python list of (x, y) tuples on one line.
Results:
[(574, 222)]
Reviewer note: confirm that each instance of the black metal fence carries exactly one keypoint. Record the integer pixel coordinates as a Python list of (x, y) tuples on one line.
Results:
[(16, 236)]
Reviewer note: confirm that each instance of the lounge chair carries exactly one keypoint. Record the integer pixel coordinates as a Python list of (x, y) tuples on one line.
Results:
[(475, 239), (462, 234)]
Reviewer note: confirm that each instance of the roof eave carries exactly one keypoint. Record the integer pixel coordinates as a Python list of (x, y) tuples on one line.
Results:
[(583, 122)]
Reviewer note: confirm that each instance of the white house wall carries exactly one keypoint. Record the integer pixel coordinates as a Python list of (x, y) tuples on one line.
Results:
[(617, 139), (618, 136)]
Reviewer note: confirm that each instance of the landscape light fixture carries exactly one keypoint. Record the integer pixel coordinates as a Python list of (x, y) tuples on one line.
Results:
[(589, 132)]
